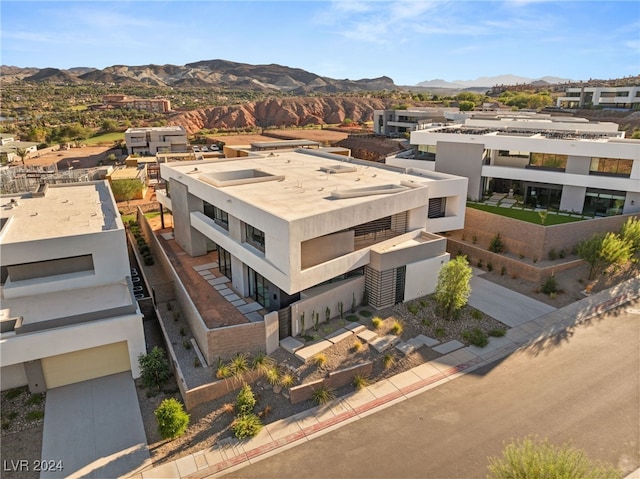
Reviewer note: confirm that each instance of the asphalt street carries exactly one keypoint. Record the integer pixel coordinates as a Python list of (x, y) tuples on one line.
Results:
[(584, 390)]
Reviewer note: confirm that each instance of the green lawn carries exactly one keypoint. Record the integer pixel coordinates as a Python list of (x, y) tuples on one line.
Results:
[(108, 138), (525, 215), (151, 214)]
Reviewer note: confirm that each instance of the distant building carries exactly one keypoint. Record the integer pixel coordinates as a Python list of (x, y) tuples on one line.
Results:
[(152, 140), (558, 163), (396, 123), (68, 310), (9, 145), (158, 105), (627, 97)]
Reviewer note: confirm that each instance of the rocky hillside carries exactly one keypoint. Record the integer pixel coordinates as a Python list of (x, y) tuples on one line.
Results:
[(210, 73), (298, 111)]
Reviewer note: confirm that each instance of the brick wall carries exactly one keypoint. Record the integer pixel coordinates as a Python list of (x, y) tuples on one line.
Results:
[(208, 392)]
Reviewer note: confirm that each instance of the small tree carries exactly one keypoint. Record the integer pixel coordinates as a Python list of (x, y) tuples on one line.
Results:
[(22, 153), (529, 458), (630, 233), (453, 288), (601, 251), (466, 105), (543, 216), (154, 368), (496, 245), (172, 419), (245, 401)]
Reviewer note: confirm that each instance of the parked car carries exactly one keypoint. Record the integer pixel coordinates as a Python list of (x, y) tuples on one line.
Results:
[(196, 149), (204, 148), (214, 148)]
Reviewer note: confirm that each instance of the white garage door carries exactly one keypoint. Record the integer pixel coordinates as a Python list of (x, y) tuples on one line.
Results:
[(85, 364)]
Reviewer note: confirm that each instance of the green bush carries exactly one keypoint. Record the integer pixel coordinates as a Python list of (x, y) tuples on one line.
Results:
[(550, 286), (172, 419), (553, 254), (496, 245), (245, 401), (376, 322), (246, 425), (14, 393), (497, 332), (360, 382), (397, 328), (35, 415), (476, 336), (365, 313), (154, 368), (531, 458), (413, 308)]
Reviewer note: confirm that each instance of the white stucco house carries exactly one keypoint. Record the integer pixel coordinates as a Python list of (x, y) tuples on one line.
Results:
[(556, 163), (624, 97), (152, 140), (298, 223), (68, 313)]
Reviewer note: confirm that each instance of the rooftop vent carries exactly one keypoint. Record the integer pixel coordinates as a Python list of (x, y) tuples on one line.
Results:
[(338, 169)]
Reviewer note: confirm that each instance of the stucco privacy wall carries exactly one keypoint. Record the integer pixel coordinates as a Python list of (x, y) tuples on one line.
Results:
[(532, 240)]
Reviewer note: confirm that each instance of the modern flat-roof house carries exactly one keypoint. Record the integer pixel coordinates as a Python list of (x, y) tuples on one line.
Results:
[(68, 313), (159, 105), (398, 122), (293, 224), (152, 140), (558, 163), (627, 97)]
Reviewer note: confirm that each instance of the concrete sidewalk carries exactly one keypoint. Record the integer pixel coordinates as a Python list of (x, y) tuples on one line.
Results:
[(276, 437)]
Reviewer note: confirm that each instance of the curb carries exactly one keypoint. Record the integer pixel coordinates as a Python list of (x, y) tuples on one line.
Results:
[(230, 454)]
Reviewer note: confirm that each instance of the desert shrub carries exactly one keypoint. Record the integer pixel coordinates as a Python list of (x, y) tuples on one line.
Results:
[(397, 328), (320, 360), (287, 380), (357, 345), (476, 314), (426, 322), (351, 317), (272, 375), (476, 336), (388, 360), (245, 401), (35, 399), (261, 362), (323, 394), (186, 344), (530, 457), (489, 266), (413, 308), (223, 371), (440, 332), (550, 286), (360, 382), (503, 271), (183, 332), (376, 322), (496, 245), (365, 313), (172, 419), (246, 425), (553, 254), (14, 393), (196, 363), (239, 364)]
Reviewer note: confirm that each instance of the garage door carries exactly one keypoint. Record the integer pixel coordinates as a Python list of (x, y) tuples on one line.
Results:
[(85, 364)]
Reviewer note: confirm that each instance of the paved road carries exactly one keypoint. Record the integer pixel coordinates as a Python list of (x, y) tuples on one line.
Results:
[(585, 390)]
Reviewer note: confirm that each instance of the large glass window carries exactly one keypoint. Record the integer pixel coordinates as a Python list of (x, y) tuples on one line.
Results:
[(254, 237), (547, 197), (437, 207), (611, 166), (224, 262), (259, 288), (603, 202), (220, 217), (548, 160)]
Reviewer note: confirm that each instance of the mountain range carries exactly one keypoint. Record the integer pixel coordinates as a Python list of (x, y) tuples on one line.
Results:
[(227, 74)]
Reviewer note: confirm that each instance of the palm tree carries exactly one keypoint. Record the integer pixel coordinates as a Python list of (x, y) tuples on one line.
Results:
[(22, 153)]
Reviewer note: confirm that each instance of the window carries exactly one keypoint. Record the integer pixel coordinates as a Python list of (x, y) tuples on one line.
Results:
[(427, 152), (259, 288), (603, 202), (224, 262), (220, 217), (254, 237), (611, 166), (548, 160), (437, 207)]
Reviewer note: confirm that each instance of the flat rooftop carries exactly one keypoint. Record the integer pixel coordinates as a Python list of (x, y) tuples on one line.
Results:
[(297, 184), (64, 210)]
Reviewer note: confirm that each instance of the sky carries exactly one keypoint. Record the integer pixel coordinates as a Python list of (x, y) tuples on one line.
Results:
[(410, 40)]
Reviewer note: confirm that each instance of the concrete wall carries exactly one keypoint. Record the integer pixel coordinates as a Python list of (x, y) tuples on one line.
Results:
[(323, 297), (334, 380), (230, 340), (324, 248), (422, 276), (12, 377), (462, 160)]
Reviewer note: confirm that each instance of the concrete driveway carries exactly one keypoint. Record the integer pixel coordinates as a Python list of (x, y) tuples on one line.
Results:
[(503, 304), (95, 428)]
